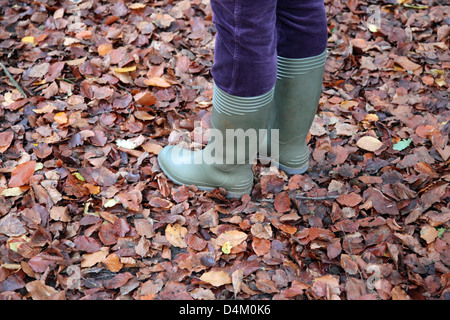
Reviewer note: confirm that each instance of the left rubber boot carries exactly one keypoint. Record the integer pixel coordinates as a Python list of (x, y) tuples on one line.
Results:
[(223, 162), (296, 98)]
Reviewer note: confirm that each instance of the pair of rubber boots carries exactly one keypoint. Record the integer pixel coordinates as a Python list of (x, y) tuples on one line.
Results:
[(274, 125)]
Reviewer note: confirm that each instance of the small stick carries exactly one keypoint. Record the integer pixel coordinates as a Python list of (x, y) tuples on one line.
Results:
[(12, 80), (306, 198), (316, 198)]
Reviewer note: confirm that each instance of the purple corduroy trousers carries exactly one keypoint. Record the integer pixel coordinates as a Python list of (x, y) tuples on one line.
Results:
[(252, 33)]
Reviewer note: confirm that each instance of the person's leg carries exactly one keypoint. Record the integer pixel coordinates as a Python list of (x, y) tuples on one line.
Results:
[(245, 56), (302, 28), (302, 40), (244, 75)]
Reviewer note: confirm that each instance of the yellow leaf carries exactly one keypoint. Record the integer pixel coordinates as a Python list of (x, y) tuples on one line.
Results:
[(29, 39), (12, 192), (15, 242), (372, 27), (176, 235), (110, 203), (226, 247), (125, 69), (79, 176), (60, 117), (369, 143), (39, 166), (216, 278)]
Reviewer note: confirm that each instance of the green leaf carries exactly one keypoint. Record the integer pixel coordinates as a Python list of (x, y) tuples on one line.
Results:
[(402, 145), (79, 176)]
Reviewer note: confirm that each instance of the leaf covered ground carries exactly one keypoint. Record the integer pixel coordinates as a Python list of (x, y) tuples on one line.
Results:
[(86, 213)]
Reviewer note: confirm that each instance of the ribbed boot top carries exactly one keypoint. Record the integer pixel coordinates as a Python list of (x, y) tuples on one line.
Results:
[(291, 67), (233, 105)]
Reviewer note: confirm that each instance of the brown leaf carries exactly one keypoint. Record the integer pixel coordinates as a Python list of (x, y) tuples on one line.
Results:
[(87, 244), (216, 278), (145, 99), (282, 202), (40, 291), (6, 138), (348, 264), (406, 64), (22, 174), (429, 234), (234, 237), (349, 199), (112, 262), (399, 294)]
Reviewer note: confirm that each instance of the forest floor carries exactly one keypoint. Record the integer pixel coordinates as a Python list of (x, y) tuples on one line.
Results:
[(96, 89)]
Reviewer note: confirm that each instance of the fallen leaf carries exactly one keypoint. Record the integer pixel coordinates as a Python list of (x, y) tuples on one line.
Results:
[(282, 202), (40, 291), (22, 174), (6, 138), (125, 69), (29, 39), (369, 143), (176, 235), (157, 82), (351, 199), (91, 259), (429, 234), (216, 278), (402, 144), (104, 49), (112, 262), (136, 6)]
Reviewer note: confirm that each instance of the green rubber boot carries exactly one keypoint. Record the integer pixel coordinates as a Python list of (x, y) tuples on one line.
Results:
[(238, 125), (297, 93)]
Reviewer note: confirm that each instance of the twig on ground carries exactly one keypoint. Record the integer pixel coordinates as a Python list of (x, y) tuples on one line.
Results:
[(14, 82)]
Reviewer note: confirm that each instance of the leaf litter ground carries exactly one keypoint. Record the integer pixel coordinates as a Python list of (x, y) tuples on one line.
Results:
[(96, 88)]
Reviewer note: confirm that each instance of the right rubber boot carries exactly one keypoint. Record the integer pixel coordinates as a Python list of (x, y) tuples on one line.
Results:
[(223, 162), (296, 98)]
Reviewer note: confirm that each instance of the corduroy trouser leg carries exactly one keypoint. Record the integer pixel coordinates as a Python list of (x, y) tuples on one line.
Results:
[(252, 33)]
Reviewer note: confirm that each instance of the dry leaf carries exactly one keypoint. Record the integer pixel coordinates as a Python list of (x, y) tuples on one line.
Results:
[(176, 235), (233, 237), (113, 263), (60, 117), (91, 259), (125, 69), (104, 49), (216, 278), (429, 234), (369, 143), (22, 174), (157, 82)]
